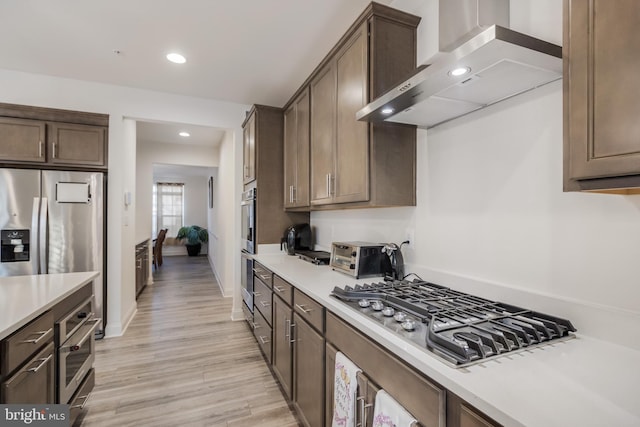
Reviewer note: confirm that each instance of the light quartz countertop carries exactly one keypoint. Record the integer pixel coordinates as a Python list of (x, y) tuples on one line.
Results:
[(578, 382), (23, 298)]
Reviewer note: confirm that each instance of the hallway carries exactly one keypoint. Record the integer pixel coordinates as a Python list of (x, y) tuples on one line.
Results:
[(183, 362)]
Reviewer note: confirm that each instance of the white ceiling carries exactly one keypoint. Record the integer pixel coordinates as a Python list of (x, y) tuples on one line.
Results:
[(180, 171), (167, 133), (245, 51)]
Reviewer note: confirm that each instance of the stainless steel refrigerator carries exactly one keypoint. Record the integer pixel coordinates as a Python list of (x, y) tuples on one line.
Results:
[(53, 222)]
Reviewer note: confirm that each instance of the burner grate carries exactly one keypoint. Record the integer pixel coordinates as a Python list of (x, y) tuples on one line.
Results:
[(459, 327)]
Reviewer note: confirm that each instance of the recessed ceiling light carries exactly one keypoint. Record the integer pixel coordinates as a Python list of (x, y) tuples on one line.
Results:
[(460, 71), (184, 134), (176, 58), (387, 110)]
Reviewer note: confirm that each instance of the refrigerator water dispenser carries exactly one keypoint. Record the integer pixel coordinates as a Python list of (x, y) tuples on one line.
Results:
[(14, 246)]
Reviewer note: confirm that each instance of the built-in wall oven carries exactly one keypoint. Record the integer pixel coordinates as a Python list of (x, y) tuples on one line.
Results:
[(248, 237), (247, 284), (76, 348), (248, 208)]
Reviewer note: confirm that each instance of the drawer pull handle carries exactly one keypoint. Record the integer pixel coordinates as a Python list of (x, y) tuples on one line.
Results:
[(267, 277), (37, 340), (42, 363), (263, 340), (257, 294), (255, 325), (278, 289), (84, 402), (304, 310), (265, 304), (291, 339)]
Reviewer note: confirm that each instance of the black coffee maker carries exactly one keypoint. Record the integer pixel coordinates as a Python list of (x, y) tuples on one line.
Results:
[(296, 238)]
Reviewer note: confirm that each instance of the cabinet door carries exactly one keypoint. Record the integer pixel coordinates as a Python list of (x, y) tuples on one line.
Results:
[(352, 136), (460, 414), (282, 350), (602, 100), (296, 152), (366, 399), (22, 140), (34, 382), (72, 144), (249, 150), (308, 372), (323, 116)]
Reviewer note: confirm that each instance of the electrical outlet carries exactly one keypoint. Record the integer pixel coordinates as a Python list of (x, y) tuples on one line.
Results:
[(409, 234)]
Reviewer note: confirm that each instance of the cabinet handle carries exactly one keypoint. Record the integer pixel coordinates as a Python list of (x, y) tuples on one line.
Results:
[(40, 148), (291, 340), (263, 340), (360, 400), (304, 310), (54, 150), (37, 340), (291, 194), (277, 289), (365, 410), (84, 402), (328, 185), (267, 277), (42, 363), (255, 325), (264, 304), (287, 328), (257, 294)]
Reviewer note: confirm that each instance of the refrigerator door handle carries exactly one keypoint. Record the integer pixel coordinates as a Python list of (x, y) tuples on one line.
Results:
[(35, 253), (42, 231)]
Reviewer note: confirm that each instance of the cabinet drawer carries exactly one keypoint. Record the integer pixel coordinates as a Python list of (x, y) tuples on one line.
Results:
[(82, 395), (25, 342), (262, 332), (309, 310), (263, 273), (262, 299), (422, 398), (283, 289), (34, 383)]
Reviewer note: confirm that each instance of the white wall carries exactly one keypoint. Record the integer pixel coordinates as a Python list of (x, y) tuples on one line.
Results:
[(491, 215), (124, 104), (224, 241)]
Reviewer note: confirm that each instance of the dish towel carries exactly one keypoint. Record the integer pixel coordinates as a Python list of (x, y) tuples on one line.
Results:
[(389, 413), (345, 387)]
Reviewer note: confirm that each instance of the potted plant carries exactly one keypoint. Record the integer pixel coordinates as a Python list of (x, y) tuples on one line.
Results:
[(195, 236)]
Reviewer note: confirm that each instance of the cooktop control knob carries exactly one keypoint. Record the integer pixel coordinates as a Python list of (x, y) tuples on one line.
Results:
[(388, 311), (364, 303), (377, 305), (408, 325), (400, 316)]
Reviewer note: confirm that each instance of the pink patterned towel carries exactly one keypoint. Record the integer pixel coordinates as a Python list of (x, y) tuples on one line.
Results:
[(389, 413), (345, 387)]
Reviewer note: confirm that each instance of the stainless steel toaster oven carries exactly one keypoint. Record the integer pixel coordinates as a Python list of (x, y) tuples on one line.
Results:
[(359, 259)]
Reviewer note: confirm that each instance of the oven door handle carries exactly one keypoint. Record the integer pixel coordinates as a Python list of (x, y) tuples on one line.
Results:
[(88, 328)]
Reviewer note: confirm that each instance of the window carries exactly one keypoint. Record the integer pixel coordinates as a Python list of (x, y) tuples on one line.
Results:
[(168, 207)]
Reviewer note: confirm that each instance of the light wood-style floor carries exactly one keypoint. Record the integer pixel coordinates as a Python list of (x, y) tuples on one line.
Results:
[(183, 362)]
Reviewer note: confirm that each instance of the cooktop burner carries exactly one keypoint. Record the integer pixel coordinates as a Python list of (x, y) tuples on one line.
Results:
[(460, 328)]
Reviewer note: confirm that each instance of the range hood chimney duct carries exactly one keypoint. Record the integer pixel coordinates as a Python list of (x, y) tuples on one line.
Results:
[(481, 62)]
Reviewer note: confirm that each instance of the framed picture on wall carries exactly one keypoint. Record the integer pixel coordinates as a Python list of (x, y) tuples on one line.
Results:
[(210, 192)]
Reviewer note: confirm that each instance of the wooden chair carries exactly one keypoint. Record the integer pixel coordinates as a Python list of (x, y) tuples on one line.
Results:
[(157, 248)]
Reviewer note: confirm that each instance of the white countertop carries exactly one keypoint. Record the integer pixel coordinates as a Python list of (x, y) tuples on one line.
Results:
[(23, 298), (579, 382)]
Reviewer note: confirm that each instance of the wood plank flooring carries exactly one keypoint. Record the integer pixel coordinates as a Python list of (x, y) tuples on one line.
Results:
[(183, 362)]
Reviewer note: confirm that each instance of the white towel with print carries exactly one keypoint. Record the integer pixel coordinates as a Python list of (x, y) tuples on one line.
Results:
[(389, 413), (345, 386)]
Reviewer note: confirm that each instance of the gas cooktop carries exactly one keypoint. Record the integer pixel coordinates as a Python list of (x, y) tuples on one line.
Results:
[(460, 328)]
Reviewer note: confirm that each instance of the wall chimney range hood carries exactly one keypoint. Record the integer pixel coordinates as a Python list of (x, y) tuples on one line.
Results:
[(478, 65)]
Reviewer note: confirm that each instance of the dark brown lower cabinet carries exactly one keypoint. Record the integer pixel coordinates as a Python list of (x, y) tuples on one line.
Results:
[(34, 382), (308, 373), (282, 354), (461, 414)]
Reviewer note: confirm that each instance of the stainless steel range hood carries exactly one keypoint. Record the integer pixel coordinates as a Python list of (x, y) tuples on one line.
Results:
[(499, 63)]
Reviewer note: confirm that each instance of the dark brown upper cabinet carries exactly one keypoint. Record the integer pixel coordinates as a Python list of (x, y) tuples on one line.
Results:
[(56, 138), (601, 96), (296, 153), (352, 163)]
